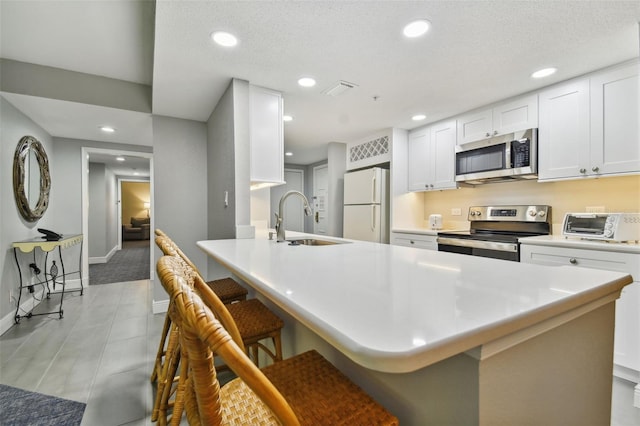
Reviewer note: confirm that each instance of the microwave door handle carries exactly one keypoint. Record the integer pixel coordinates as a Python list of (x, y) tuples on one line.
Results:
[(508, 163)]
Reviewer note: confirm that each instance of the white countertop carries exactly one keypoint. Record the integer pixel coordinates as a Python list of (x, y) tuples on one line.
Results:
[(398, 309), (420, 231), (578, 243)]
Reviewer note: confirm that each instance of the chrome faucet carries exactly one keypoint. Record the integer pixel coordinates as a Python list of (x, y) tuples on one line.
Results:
[(279, 225)]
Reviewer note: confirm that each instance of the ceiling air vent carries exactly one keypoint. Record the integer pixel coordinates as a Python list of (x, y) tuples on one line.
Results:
[(339, 88)]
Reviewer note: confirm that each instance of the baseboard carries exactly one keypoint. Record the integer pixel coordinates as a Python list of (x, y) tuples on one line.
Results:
[(160, 306), (104, 259), (27, 305), (626, 373)]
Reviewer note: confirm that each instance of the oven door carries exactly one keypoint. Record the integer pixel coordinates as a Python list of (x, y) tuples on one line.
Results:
[(492, 249)]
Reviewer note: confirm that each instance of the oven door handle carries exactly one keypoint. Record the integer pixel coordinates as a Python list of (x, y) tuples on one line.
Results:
[(488, 245)]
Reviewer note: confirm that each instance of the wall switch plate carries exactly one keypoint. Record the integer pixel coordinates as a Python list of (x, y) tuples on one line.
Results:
[(456, 212), (595, 209)]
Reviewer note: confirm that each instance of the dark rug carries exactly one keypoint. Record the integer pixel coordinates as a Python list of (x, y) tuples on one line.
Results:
[(129, 264), (20, 408)]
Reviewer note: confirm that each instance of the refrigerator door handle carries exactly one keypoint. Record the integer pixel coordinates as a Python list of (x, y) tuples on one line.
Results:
[(373, 188), (373, 218)]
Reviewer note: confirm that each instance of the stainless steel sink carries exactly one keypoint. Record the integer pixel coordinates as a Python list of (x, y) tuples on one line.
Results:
[(312, 242)]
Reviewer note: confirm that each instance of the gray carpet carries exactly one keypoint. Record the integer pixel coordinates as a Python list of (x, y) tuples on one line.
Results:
[(129, 264), (21, 408)]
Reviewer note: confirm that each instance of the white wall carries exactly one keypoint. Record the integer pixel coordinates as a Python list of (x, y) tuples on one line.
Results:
[(13, 126), (102, 236), (337, 166), (97, 211), (180, 188), (221, 173)]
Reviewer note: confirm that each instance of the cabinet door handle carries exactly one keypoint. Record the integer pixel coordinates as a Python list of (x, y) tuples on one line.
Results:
[(573, 261), (595, 169), (488, 134), (412, 242), (583, 171), (495, 132)]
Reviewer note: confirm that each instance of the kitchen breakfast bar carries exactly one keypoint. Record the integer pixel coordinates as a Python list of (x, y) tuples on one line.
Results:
[(441, 338)]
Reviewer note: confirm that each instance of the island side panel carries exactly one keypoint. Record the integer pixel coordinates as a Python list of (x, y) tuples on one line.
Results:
[(561, 377), (445, 393)]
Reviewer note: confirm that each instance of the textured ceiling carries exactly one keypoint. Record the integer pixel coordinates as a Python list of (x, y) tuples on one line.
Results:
[(476, 53)]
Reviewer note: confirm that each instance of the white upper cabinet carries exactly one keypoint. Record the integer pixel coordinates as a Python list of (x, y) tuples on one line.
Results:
[(589, 127), (615, 118), (443, 147), (563, 135), (266, 135), (503, 118), (419, 143), (431, 157)]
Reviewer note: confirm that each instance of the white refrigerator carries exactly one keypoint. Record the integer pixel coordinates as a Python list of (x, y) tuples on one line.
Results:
[(366, 205)]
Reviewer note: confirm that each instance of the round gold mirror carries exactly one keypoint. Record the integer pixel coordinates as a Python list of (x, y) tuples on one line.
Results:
[(31, 178)]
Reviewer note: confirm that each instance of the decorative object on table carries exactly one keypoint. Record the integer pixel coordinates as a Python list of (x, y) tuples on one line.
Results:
[(21, 407), (31, 178)]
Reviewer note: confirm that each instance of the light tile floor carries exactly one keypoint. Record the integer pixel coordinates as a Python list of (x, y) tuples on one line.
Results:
[(102, 352)]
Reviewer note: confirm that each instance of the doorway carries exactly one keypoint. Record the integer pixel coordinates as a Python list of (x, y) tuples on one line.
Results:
[(112, 221), (134, 213), (320, 199)]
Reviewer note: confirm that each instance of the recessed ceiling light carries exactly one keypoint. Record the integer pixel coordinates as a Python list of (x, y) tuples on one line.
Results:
[(306, 82), (119, 158), (416, 28), (107, 129), (224, 39), (288, 153), (545, 72), (418, 117), (287, 118)]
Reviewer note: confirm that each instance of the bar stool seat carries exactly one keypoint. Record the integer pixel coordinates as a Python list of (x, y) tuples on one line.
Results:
[(228, 290), (255, 323)]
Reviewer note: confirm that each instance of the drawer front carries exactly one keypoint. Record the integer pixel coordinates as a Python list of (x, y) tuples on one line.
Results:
[(610, 261), (418, 241)]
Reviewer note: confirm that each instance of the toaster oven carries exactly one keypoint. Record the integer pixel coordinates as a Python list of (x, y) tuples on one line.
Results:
[(602, 226)]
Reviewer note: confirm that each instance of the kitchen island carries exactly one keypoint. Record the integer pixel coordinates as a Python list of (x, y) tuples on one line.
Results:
[(441, 338)]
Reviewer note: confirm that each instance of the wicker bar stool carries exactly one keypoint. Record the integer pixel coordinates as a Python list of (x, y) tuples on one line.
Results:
[(168, 394), (305, 389), (253, 321), (227, 290)]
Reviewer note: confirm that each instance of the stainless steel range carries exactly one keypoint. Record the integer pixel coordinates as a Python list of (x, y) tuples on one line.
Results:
[(494, 231)]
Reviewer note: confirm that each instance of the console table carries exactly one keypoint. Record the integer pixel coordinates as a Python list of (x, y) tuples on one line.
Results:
[(51, 275)]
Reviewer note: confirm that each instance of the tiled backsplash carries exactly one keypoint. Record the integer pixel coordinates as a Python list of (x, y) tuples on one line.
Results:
[(616, 194)]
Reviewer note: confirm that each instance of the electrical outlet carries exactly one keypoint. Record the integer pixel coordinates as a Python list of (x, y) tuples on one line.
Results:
[(456, 212), (595, 209)]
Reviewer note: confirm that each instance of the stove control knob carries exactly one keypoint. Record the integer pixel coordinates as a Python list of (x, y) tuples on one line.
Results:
[(608, 233), (542, 213), (472, 213), (532, 213)]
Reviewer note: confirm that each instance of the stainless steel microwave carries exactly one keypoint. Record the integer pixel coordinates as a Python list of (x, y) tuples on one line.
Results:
[(503, 158)]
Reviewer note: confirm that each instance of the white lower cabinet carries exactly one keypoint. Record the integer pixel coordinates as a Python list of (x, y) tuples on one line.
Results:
[(627, 333), (415, 240)]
